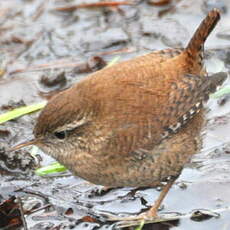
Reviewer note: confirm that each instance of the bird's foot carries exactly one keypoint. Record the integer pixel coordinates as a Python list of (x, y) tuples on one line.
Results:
[(142, 216), (137, 220), (133, 220)]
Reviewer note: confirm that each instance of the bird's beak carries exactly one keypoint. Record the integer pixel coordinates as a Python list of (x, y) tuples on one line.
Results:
[(24, 144)]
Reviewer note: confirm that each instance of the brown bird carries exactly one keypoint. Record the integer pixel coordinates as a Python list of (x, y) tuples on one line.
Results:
[(135, 123)]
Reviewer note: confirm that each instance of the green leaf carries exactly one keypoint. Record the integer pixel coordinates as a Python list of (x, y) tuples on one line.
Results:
[(15, 113), (113, 61), (141, 225), (52, 168), (221, 92)]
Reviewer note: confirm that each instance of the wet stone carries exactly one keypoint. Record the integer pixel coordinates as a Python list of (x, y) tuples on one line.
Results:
[(170, 31), (94, 63), (56, 81), (201, 215)]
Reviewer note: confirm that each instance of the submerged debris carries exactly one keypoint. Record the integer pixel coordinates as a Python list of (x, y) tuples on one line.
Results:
[(10, 214), (19, 161)]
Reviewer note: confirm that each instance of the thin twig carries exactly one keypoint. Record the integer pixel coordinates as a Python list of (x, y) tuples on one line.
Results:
[(39, 209), (25, 227), (36, 193), (90, 5)]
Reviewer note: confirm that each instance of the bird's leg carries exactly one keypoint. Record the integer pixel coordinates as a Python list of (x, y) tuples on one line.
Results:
[(152, 212)]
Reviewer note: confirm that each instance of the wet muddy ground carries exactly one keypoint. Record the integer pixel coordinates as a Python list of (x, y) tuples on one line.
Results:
[(46, 46)]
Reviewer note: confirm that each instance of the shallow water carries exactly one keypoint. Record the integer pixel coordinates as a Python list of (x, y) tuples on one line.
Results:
[(38, 42)]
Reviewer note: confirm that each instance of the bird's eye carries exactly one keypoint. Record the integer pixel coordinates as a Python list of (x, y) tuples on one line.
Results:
[(60, 135)]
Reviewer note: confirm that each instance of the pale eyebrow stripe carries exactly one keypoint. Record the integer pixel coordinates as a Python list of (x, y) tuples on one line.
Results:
[(72, 125)]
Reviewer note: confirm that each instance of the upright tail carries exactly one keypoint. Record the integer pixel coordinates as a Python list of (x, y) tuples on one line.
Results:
[(195, 45)]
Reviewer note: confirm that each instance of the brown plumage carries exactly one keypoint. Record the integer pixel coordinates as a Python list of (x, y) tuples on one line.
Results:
[(135, 123)]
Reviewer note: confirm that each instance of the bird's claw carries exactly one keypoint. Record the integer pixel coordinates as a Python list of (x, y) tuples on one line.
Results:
[(113, 217), (109, 216)]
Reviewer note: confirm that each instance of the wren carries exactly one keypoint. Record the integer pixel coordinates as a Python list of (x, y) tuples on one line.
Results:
[(135, 123)]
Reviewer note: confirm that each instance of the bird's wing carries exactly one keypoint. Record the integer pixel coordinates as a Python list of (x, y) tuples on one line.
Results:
[(142, 128)]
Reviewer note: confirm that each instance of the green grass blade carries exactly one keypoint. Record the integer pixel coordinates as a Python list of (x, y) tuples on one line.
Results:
[(221, 92), (52, 168), (113, 61), (15, 113), (141, 225)]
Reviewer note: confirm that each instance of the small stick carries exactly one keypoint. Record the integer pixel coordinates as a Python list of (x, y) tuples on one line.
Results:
[(89, 5), (39, 209), (36, 193), (22, 213)]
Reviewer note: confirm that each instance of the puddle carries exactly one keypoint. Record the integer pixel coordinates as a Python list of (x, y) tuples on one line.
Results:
[(37, 46)]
